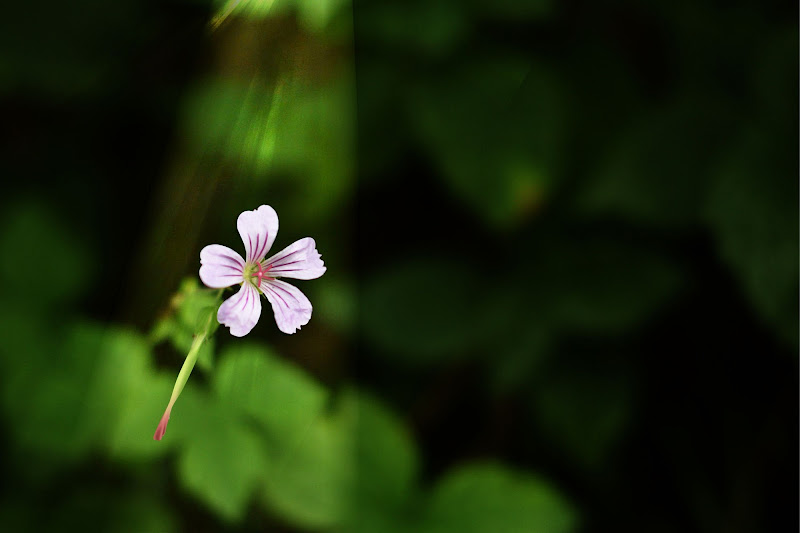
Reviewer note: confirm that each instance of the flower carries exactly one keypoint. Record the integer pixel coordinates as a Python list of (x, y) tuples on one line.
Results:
[(222, 267)]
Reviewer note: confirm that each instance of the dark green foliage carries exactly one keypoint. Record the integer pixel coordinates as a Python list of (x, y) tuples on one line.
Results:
[(562, 251)]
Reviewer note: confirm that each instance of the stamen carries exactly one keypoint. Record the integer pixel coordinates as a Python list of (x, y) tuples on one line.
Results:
[(261, 273)]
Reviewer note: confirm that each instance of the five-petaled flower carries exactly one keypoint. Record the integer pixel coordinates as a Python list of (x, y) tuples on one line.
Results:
[(222, 267)]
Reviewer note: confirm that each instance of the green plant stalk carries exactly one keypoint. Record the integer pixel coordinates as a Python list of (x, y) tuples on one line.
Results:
[(186, 369), (183, 377)]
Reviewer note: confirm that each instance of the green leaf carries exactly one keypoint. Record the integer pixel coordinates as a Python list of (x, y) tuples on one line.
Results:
[(121, 364), (656, 172), (386, 456), (29, 338), (753, 213), (583, 411), (775, 77), (513, 10), (385, 469), (279, 395), (517, 357), (18, 513), (196, 305), (27, 230), (135, 513), (82, 390), (602, 286), (430, 29), (494, 128), (336, 304), (108, 508), (223, 460), (192, 312), (131, 436), (487, 497), (311, 481), (382, 520), (590, 285), (423, 311), (308, 482)]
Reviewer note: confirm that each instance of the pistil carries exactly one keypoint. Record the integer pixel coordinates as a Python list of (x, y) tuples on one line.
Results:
[(261, 273)]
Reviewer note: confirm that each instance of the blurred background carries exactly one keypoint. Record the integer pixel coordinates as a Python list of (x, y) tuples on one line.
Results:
[(562, 251)]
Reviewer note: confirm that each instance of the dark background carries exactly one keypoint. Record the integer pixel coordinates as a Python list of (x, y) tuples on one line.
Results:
[(561, 242)]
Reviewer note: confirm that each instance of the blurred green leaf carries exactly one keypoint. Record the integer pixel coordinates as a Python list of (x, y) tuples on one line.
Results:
[(753, 212), (487, 497), (337, 305), (18, 514), (120, 364), (67, 419), (194, 304), (515, 358), (495, 129), (606, 287), (589, 285), (308, 482), (380, 520), (386, 456), (657, 171), (584, 283), (252, 380), (137, 513), (311, 481), (190, 310), (31, 236), (513, 10), (386, 464), (775, 80), (223, 460), (425, 310), (107, 510), (205, 356), (64, 65), (131, 436), (428, 29), (583, 412), (29, 338)]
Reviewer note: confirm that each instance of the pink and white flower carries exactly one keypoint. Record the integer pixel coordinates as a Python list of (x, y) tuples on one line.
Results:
[(222, 267)]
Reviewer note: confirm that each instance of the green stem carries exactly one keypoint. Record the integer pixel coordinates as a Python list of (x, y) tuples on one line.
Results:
[(183, 376), (186, 369)]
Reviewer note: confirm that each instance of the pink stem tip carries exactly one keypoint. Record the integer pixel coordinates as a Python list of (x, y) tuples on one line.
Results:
[(162, 426)]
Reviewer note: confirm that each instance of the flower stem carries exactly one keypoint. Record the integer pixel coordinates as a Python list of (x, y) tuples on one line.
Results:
[(183, 377), (186, 369)]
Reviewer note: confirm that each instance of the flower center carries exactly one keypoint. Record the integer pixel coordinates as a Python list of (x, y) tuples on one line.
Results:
[(256, 273)]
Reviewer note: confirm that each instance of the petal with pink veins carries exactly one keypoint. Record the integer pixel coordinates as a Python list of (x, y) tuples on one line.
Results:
[(241, 311), (220, 266), (291, 307), (258, 229), (300, 260)]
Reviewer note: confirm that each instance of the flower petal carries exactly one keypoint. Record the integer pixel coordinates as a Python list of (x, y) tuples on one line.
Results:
[(300, 260), (241, 311), (291, 307), (221, 266), (258, 229)]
